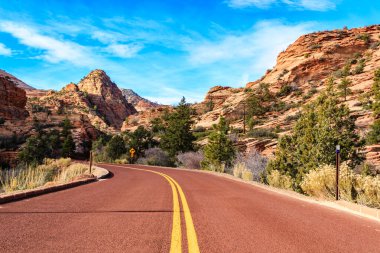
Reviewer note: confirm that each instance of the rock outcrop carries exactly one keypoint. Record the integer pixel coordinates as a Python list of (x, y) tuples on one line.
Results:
[(106, 98), (16, 81), (141, 104), (13, 100)]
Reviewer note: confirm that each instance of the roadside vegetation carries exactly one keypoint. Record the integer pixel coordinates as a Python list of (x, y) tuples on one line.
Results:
[(51, 172)]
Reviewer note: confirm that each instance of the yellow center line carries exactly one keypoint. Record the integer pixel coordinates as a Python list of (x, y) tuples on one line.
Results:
[(176, 238), (192, 241)]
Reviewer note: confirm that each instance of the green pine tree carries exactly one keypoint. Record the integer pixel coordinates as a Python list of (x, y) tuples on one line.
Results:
[(177, 136), (219, 150), (68, 146), (344, 87), (115, 147), (376, 94)]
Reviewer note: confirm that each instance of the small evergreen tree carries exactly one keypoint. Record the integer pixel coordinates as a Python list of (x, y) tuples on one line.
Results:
[(344, 87), (116, 147), (66, 127), (220, 149), (68, 146), (373, 136), (376, 94), (177, 136), (35, 150)]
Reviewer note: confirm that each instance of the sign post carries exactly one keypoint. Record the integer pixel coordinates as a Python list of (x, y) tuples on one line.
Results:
[(337, 151), (132, 152), (90, 162)]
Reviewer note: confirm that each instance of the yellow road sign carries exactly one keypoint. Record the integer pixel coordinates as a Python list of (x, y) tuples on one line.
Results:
[(132, 151)]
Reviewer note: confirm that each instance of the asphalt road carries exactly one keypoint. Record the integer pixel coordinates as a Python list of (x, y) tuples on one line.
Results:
[(143, 211)]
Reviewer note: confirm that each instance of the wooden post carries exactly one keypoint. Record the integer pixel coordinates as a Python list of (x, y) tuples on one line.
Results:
[(90, 162)]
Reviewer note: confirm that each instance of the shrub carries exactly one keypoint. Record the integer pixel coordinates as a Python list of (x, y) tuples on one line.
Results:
[(352, 187), (284, 91), (190, 160), (215, 167), (238, 169), (278, 180), (262, 133), (320, 183), (359, 68), (368, 191), (247, 175), (2, 121), (155, 157), (364, 37), (254, 162), (315, 46)]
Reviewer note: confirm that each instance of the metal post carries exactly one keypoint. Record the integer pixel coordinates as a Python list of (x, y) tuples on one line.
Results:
[(90, 162), (337, 151)]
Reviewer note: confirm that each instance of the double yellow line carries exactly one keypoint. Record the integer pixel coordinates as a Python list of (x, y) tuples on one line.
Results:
[(176, 238)]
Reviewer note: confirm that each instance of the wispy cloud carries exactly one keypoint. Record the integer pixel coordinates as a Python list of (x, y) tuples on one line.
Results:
[(54, 50), (4, 50), (123, 50), (257, 48), (314, 5)]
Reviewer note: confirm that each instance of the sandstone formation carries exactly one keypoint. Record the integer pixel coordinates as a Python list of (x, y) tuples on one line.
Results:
[(13, 100), (304, 66), (16, 81), (140, 104), (106, 97)]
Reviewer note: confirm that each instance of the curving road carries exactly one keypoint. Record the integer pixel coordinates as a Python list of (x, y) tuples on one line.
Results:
[(141, 209)]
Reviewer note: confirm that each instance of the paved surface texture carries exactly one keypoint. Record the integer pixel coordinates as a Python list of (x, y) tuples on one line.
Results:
[(133, 212)]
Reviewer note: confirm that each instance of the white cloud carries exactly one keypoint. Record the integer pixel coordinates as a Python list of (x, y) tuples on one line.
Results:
[(267, 39), (54, 50), (123, 50), (315, 5), (4, 50), (250, 52)]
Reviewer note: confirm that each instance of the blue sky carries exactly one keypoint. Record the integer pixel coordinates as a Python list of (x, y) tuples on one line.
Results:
[(162, 49)]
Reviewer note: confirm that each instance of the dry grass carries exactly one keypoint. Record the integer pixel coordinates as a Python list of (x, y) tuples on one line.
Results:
[(353, 187), (276, 179), (72, 172), (52, 171)]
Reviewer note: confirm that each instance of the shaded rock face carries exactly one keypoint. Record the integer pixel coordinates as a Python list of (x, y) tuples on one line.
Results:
[(13, 100), (140, 103), (16, 81), (106, 97)]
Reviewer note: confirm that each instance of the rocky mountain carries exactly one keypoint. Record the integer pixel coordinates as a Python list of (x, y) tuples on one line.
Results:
[(16, 81), (299, 75), (93, 106), (140, 103), (106, 97)]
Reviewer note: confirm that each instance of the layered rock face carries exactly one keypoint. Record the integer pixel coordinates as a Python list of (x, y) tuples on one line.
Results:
[(106, 97), (13, 100), (141, 104)]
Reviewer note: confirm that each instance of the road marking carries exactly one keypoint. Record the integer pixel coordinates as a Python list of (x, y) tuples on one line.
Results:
[(192, 241)]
